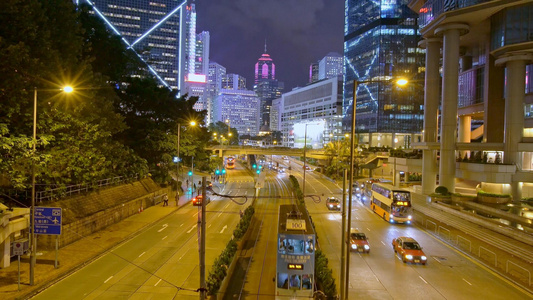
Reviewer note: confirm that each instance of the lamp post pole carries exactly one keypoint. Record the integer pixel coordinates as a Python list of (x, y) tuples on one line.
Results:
[(33, 239), (178, 168)]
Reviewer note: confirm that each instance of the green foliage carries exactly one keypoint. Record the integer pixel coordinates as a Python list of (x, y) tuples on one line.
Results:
[(297, 191), (483, 193), (324, 275), (415, 177), (220, 266), (441, 190)]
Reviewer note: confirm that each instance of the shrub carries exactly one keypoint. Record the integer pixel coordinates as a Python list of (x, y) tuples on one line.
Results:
[(324, 276), (442, 190)]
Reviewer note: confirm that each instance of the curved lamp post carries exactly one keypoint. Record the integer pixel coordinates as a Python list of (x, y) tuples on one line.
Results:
[(33, 236), (400, 82), (191, 123)]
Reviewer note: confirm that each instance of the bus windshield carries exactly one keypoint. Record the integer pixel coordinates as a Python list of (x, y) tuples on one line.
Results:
[(402, 196)]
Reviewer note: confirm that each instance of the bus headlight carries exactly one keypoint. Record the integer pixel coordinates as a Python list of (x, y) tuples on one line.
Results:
[(409, 257), (409, 217), (423, 257)]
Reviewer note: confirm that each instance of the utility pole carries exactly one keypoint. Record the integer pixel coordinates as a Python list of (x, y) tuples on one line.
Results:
[(203, 286), (344, 238)]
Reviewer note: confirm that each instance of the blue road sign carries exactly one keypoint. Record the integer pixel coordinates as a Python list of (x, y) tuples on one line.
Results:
[(47, 220)]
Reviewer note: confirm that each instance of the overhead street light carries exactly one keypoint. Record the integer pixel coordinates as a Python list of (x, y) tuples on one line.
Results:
[(33, 236), (191, 123), (400, 82)]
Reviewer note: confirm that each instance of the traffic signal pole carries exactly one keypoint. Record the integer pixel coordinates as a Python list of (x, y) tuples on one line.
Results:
[(203, 290)]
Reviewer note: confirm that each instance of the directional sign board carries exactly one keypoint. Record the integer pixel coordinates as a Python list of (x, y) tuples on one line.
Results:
[(47, 220)]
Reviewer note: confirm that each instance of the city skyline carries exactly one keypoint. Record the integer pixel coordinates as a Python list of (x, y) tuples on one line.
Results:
[(296, 36)]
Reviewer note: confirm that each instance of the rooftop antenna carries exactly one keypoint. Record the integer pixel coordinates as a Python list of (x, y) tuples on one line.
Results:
[(265, 45)]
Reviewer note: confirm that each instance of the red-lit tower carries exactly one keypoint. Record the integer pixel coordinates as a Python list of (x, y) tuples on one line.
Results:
[(264, 68)]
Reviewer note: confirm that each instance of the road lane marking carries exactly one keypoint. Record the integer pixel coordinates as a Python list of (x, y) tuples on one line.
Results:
[(219, 215), (224, 228), (368, 229), (467, 281), (422, 279), (164, 227), (226, 206), (157, 282), (164, 237), (383, 243), (108, 279), (191, 229), (181, 225), (142, 254), (208, 225)]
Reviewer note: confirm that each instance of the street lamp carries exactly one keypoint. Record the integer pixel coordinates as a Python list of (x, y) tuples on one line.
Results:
[(305, 162), (400, 82), (191, 123), (33, 238)]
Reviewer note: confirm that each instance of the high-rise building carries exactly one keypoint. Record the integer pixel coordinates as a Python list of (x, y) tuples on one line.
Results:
[(202, 53), (267, 90), (152, 29), (234, 82), (240, 107), (264, 68), (313, 72), (330, 66), (479, 85), (214, 84), (380, 44)]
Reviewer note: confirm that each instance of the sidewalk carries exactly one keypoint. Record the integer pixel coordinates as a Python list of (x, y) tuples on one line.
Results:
[(79, 253)]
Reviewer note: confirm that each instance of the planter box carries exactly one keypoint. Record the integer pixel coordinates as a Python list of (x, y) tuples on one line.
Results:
[(462, 198), (493, 199)]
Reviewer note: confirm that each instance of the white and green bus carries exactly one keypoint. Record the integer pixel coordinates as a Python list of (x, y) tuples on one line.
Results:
[(393, 204)]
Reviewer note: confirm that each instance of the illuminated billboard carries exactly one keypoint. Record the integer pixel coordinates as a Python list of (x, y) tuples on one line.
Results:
[(315, 134)]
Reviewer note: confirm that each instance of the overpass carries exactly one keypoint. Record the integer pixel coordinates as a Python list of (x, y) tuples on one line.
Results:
[(222, 151)]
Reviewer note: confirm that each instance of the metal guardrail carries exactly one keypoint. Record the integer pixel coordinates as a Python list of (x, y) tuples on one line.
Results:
[(61, 192)]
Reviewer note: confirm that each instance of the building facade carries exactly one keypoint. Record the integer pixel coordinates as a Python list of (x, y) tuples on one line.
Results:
[(266, 86), (234, 82), (380, 44), (330, 66), (153, 30), (315, 109), (484, 91), (214, 85), (239, 106)]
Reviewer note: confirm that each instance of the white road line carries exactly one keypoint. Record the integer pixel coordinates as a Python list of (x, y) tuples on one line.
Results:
[(191, 229), (142, 254), (162, 229), (422, 279), (157, 282), (108, 279), (376, 277), (368, 229), (383, 243), (208, 225), (467, 281), (180, 257), (224, 228), (181, 225), (164, 237), (226, 206)]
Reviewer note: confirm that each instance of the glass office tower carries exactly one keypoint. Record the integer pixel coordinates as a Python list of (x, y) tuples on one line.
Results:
[(380, 44)]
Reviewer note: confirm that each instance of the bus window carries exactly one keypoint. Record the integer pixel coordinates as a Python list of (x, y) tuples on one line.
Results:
[(310, 246), (282, 245), (295, 282), (306, 282), (283, 280), (295, 246)]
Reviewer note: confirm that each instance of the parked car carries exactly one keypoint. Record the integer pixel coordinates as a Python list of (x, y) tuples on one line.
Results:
[(409, 250), (307, 168), (333, 203), (197, 201), (359, 241)]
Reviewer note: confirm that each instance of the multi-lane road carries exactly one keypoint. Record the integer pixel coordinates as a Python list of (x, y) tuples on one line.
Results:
[(162, 261)]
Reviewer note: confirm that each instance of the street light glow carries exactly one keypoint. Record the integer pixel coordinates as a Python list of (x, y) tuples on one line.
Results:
[(402, 82), (192, 123), (68, 89)]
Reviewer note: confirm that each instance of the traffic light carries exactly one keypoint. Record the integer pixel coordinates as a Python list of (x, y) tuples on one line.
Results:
[(254, 166), (217, 172), (190, 173), (223, 171), (258, 171), (260, 167)]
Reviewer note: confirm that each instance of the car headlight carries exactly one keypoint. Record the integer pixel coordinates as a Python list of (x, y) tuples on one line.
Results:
[(354, 246), (391, 216), (409, 217), (330, 205), (409, 257), (423, 257), (367, 247)]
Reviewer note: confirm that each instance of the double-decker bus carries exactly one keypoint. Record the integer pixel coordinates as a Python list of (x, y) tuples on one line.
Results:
[(393, 204), (295, 265), (230, 162)]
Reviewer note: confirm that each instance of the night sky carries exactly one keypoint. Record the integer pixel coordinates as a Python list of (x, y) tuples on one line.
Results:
[(298, 33)]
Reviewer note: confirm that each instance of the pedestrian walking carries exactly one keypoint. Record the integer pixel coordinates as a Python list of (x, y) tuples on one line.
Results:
[(165, 200)]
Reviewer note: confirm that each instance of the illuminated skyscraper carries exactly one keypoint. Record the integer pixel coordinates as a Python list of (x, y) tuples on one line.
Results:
[(265, 68), (380, 43), (266, 87), (152, 29), (330, 66)]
